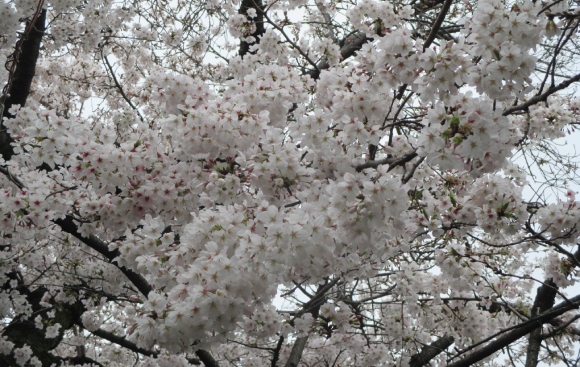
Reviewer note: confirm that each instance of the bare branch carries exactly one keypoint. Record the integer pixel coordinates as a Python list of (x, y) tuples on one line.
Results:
[(411, 172), (67, 225), (431, 351), (544, 300), (120, 341), (564, 326), (13, 179), (349, 46), (437, 25), (296, 353), (542, 97), (312, 306), (119, 87), (517, 332), (276, 355), (391, 161)]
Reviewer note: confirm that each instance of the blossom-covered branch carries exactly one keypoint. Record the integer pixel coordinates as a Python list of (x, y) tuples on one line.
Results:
[(301, 182)]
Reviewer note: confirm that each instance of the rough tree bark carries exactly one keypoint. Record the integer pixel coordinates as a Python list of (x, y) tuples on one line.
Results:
[(21, 79), (257, 21), (431, 351), (544, 300)]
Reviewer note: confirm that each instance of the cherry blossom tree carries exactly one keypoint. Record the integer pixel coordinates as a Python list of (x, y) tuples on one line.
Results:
[(288, 183)]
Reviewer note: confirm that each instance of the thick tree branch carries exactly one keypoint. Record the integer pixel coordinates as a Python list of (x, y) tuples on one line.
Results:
[(517, 332), (391, 161), (22, 330), (257, 21), (544, 300), (312, 306), (349, 46), (122, 342), (431, 351), (437, 25), (206, 358), (297, 350), (18, 87), (13, 179), (67, 225), (18, 94), (276, 355)]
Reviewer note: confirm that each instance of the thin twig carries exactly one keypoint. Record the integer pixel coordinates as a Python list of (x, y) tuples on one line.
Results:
[(542, 97), (121, 91)]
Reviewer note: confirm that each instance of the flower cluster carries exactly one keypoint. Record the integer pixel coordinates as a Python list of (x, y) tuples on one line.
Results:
[(370, 16), (467, 133), (166, 185), (504, 39)]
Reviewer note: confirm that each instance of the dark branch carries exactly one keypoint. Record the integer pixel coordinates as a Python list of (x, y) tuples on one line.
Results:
[(297, 350), (14, 180), (542, 97), (313, 307), (120, 341), (26, 55), (76, 361), (257, 21), (276, 355), (431, 351), (544, 300), (206, 358), (517, 332), (561, 327), (391, 161), (349, 46), (67, 225), (22, 329), (437, 25)]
